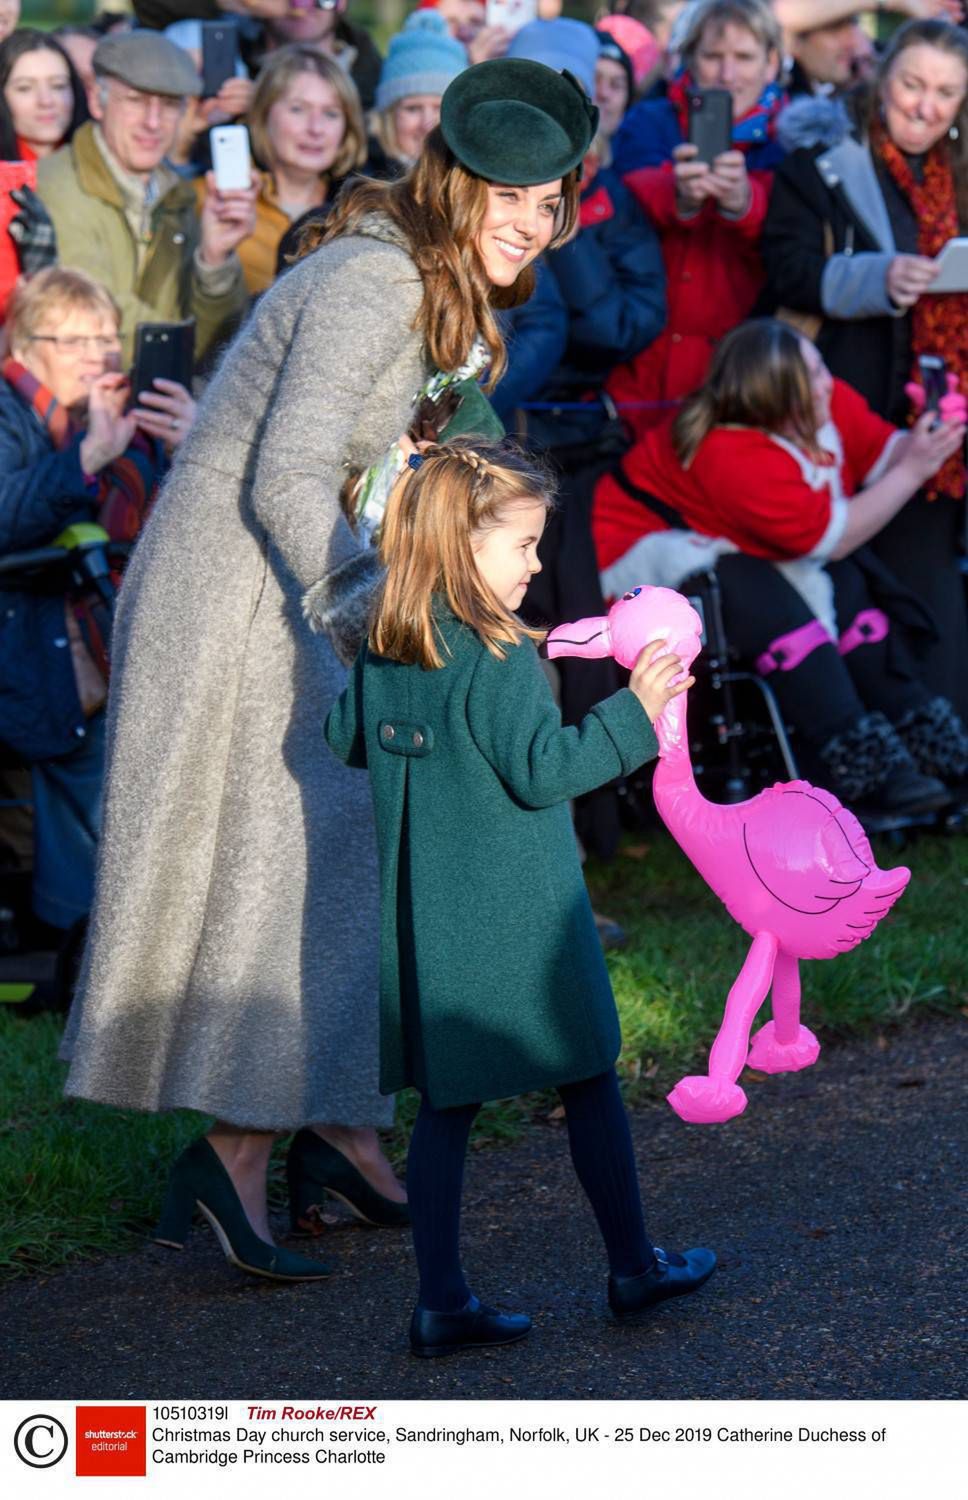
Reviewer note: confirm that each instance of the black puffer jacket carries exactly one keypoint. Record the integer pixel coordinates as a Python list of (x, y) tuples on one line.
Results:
[(829, 237)]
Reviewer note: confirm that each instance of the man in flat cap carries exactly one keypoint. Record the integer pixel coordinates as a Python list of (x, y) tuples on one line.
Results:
[(125, 217)]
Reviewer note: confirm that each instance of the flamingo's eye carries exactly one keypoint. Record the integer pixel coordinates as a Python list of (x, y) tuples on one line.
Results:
[(633, 595)]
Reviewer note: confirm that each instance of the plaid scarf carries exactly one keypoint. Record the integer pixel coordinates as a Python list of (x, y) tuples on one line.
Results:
[(126, 486), (939, 320)]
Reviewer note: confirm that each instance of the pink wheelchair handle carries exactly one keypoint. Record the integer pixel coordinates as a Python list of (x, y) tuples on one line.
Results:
[(866, 629), (788, 651)]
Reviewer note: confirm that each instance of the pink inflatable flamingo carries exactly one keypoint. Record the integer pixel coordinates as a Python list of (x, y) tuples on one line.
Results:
[(791, 866)]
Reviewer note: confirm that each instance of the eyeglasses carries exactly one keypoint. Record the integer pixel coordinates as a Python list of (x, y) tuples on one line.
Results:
[(139, 102), (77, 343)]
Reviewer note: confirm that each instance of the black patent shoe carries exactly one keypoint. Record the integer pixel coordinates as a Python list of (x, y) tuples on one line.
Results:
[(630, 1297), (433, 1334), (315, 1168)]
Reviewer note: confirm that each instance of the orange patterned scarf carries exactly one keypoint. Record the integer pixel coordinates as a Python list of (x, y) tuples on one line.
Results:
[(939, 322)]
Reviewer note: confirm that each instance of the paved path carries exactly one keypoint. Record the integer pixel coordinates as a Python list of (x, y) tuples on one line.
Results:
[(833, 1203)]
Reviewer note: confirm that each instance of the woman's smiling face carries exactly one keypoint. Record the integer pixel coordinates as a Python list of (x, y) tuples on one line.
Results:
[(519, 222)]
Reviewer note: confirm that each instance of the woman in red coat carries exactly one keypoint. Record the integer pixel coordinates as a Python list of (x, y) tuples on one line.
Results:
[(709, 215), (777, 475)]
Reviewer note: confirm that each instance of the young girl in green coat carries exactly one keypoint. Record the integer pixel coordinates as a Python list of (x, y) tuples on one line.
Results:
[(492, 976)]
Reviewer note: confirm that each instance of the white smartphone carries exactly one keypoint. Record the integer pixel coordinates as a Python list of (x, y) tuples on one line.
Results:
[(511, 14), (231, 162), (952, 266)]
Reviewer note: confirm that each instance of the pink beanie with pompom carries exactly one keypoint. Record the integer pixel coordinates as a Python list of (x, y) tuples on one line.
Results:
[(636, 40)]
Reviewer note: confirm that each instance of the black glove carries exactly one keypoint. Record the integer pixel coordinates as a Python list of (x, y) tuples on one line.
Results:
[(32, 231)]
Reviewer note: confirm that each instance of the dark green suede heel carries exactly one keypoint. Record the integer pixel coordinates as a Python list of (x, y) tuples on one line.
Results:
[(199, 1180), (315, 1168)]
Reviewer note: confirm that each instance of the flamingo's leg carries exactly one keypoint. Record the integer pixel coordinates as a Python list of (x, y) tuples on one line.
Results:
[(783, 1045), (705, 1100), (786, 998)]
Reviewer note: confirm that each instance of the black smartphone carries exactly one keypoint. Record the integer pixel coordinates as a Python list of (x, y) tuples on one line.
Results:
[(165, 350), (934, 380), (220, 50), (710, 122)]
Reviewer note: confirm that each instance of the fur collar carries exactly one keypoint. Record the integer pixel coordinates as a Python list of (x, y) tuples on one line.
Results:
[(810, 122)]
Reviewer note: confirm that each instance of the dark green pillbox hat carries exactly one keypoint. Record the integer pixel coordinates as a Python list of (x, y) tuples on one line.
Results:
[(516, 121)]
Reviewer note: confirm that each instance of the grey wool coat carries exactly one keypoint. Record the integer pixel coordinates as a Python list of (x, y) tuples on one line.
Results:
[(492, 980), (232, 959)]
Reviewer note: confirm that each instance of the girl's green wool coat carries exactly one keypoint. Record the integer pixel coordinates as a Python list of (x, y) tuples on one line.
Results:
[(492, 980)]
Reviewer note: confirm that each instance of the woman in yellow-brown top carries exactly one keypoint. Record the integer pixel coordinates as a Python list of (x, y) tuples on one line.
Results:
[(307, 132)]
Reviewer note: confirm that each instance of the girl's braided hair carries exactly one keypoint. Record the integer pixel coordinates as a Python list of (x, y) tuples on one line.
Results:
[(443, 503)]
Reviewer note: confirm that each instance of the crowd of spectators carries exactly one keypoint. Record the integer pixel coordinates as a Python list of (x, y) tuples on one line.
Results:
[(649, 365)]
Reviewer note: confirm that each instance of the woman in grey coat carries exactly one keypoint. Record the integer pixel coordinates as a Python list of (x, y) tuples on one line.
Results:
[(232, 960)]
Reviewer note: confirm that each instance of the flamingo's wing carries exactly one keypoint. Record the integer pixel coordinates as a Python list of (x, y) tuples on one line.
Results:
[(800, 851), (880, 888)]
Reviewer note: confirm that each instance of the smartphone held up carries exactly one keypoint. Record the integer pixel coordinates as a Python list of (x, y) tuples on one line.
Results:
[(511, 15), (231, 158), (934, 382), (163, 351), (220, 55), (710, 122)]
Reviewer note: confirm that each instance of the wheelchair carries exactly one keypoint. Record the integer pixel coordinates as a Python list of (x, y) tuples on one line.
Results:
[(39, 964), (738, 740)]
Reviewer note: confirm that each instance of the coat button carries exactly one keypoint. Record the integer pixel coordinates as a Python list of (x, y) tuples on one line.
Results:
[(59, 640), (417, 738), (388, 731), (178, 239)]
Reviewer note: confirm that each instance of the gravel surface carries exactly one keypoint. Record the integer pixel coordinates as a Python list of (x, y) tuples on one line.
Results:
[(834, 1205)]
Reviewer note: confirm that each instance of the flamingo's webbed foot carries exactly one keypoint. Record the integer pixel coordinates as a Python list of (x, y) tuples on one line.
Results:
[(767, 1055), (706, 1101)]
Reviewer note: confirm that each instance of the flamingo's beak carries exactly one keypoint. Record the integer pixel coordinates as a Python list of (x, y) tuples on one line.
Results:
[(590, 638)]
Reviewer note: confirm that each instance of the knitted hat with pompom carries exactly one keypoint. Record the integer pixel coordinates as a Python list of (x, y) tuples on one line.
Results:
[(423, 58)]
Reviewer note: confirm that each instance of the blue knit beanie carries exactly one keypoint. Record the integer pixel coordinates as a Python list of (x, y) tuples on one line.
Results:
[(560, 44), (423, 58)]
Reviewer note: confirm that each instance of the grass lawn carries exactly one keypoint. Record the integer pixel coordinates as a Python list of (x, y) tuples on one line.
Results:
[(78, 1180)]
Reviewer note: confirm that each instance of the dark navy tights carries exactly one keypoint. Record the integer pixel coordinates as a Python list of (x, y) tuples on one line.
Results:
[(601, 1150)]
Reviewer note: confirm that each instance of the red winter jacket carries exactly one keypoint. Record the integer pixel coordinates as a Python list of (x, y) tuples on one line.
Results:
[(713, 277), (756, 489)]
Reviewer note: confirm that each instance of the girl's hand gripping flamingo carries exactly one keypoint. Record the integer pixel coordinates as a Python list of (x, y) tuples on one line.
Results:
[(792, 866)]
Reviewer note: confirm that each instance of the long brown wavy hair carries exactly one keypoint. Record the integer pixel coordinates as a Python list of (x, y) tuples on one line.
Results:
[(433, 517), (440, 206), (758, 378)]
